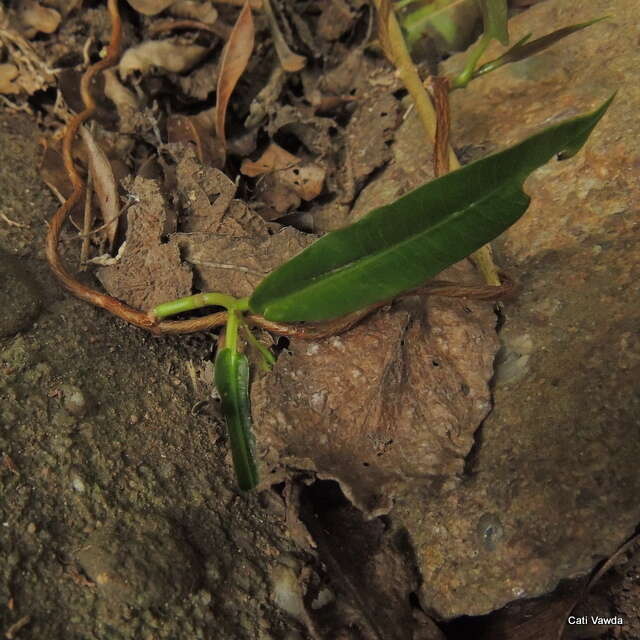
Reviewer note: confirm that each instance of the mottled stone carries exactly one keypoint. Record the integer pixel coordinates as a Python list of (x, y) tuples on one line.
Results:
[(553, 486), (19, 297)]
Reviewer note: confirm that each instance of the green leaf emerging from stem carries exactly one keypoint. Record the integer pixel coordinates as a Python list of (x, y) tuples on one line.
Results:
[(525, 48), (494, 19), (232, 382), (397, 247)]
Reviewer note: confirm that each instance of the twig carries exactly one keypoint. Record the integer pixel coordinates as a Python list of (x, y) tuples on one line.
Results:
[(397, 52), (88, 218), (440, 86), (11, 632), (13, 223)]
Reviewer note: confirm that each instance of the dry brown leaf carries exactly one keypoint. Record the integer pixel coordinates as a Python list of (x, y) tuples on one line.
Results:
[(235, 58), (8, 73), (394, 401), (236, 265), (150, 7), (206, 199), (289, 60), (273, 159), (149, 272), (104, 184), (191, 130), (36, 18), (126, 102), (170, 55), (204, 12)]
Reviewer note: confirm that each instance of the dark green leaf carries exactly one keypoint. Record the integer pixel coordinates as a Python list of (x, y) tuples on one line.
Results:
[(397, 247), (523, 48), (494, 17), (232, 382)]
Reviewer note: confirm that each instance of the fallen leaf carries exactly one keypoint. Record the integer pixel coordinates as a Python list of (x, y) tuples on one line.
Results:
[(394, 400), (104, 184), (148, 272), (35, 18), (236, 265), (204, 12), (150, 7), (126, 102), (8, 73), (206, 199), (289, 60), (191, 130), (170, 55), (273, 159), (235, 58)]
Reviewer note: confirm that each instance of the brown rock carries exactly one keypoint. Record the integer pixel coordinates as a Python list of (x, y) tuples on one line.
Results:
[(555, 481)]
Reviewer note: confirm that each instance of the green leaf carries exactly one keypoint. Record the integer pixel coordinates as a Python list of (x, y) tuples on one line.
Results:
[(450, 22), (397, 247), (524, 49), (232, 382), (494, 17)]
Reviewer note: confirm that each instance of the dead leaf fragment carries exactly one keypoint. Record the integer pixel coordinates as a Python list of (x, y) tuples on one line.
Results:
[(235, 58), (8, 73), (104, 184), (150, 7), (36, 18), (189, 9), (236, 265), (126, 102), (274, 158), (149, 272), (395, 400), (171, 55), (289, 60)]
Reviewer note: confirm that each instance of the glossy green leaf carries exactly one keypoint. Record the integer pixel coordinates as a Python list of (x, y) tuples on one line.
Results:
[(525, 48), (494, 17), (232, 382), (397, 247)]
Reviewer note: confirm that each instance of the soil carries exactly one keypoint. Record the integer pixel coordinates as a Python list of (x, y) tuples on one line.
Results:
[(119, 513)]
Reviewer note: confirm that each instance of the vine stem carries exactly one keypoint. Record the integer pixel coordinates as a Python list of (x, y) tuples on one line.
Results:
[(398, 53)]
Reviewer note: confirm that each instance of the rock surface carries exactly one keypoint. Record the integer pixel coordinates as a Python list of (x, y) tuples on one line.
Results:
[(554, 483)]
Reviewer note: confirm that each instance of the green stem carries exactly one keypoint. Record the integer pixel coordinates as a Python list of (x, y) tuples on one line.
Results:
[(463, 79), (231, 334), (268, 359), (198, 301)]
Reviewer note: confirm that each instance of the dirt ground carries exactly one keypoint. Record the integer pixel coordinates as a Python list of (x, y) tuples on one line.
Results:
[(119, 513)]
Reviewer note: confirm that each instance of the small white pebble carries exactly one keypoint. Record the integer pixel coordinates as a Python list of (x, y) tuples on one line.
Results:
[(78, 485)]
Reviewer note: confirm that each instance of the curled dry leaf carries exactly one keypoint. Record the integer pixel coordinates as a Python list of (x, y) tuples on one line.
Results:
[(171, 55), (150, 7), (126, 102), (35, 18), (289, 60), (104, 184), (203, 12), (288, 180), (235, 58)]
